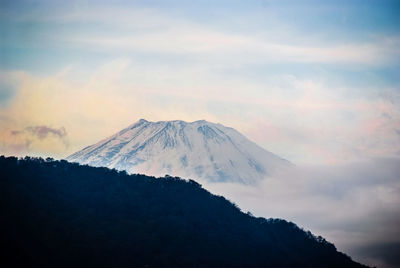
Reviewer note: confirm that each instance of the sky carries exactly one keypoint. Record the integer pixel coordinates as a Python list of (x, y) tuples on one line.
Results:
[(315, 82)]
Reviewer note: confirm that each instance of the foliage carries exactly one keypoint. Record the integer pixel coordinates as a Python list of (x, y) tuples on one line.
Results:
[(61, 214)]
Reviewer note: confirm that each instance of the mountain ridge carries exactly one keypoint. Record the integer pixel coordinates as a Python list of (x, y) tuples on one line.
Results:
[(200, 150)]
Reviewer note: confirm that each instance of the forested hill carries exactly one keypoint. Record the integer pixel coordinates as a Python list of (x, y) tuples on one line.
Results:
[(59, 214)]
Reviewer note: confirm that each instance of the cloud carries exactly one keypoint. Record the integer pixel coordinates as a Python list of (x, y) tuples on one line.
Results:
[(383, 255), (209, 45), (42, 132), (31, 139), (150, 31), (355, 206)]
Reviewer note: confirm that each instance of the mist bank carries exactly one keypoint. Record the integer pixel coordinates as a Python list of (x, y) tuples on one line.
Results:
[(356, 206)]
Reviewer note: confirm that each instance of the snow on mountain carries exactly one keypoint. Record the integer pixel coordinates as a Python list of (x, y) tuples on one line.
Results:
[(197, 150)]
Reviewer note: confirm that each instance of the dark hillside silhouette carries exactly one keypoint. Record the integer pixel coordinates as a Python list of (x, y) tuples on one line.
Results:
[(60, 214)]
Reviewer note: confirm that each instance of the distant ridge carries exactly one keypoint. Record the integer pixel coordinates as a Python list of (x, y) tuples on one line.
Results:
[(199, 150)]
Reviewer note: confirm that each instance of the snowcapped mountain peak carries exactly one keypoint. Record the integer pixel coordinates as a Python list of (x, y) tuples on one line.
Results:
[(199, 150)]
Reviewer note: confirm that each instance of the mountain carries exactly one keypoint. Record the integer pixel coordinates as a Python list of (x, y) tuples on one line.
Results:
[(61, 214), (199, 150)]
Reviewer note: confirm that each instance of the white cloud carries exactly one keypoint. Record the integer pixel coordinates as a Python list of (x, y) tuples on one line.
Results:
[(134, 29), (203, 44), (355, 206)]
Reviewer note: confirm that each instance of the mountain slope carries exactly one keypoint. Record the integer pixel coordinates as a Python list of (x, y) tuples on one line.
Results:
[(59, 214), (199, 150)]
